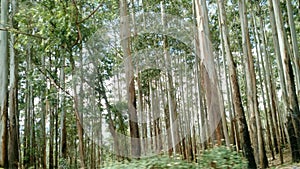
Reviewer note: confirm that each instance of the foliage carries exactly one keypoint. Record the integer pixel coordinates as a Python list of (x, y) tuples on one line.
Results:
[(156, 162), (220, 157)]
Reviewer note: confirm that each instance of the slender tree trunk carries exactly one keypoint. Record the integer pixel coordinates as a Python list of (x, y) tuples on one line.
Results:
[(215, 106), (43, 144), (51, 136), (294, 43), (4, 84), (270, 93), (133, 119), (171, 95), (13, 149), (293, 106), (256, 127), (78, 115), (237, 101), (63, 133)]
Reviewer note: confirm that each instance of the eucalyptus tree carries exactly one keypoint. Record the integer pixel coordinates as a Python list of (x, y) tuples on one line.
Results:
[(132, 110), (4, 84), (236, 96), (255, 118), (13, 147), (295, 47), (292, 106)]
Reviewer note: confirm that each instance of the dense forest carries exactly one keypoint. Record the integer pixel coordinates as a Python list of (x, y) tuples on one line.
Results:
[(149, 84)]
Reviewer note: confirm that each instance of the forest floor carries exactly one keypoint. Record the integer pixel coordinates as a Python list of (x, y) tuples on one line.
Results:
[(287, 161)]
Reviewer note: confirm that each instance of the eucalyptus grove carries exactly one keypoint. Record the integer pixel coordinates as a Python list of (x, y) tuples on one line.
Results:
[(86, 84)]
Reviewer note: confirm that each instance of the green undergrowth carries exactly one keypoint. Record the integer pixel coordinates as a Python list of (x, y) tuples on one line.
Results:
[(219, 157)]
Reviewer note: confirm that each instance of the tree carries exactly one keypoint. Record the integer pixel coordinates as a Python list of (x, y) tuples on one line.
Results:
[(13, 147), (4, 84), (295, 48), (237, 101), (293, 105), (132, 110)]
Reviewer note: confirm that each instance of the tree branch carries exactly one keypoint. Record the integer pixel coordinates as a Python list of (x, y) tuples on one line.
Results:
[(22, 33), (51, 78), (91, 14)]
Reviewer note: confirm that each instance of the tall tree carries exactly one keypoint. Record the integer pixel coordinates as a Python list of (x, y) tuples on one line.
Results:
[(4, 83), (293, 105), (132, 109), (295, 47), (255, 121), (236, 96), (13, 147)]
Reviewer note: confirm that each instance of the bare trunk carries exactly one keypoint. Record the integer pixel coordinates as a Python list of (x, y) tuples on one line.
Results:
[(4, 84), (294, 43), (237, 101), (133, 119), (293, 106), (174, 126), (13, 149), (78, 116), (63, 133), (255, 121)]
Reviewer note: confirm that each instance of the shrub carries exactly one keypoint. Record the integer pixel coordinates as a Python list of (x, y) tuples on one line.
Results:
[(222, 157), (219, 157)]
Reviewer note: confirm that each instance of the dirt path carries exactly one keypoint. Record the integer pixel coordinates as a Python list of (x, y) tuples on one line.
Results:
[(287, 162)]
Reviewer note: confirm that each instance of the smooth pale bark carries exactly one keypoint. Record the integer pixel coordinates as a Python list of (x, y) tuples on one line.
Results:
[(13, 149), (260, 69), (228, 91), (295, 47), (143, 114), (171, 95), (43, 118), (63, 133), (293, 106), (133, 119), (215, 106), (255, 121), (278, 119), (236, 96), (224, 121), (277, 53), (199, 105), (158, 121), (78, 115), (3, 84), (271, 96)]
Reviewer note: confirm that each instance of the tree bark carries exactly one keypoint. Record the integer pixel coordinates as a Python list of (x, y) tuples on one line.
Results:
[(237, 101), (125, 43), (3, 84), (255, 121), (293, 106), (294, 43), (13, 149)]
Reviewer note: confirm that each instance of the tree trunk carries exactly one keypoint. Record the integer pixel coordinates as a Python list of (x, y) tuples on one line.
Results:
[(125, 43), (171, 95), (237, 101), (270, 93), (63, 134), (293, 106), (295, 47), (13, 149), (215, 106), (255, 121), (4, 84)]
